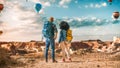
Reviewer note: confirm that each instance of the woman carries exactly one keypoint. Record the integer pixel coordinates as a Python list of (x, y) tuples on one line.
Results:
[(63, 42)]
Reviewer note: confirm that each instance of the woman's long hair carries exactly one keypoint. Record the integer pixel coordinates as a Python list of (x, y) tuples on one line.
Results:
[(64, 25)]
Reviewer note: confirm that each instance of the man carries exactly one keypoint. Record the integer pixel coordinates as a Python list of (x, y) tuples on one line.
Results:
[(50, 33)]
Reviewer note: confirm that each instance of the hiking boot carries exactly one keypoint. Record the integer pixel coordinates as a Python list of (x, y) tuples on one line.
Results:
[(46, 60), (54, 61)]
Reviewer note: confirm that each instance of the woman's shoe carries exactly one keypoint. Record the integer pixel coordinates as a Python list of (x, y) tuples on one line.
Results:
[(63, 60), (70, 59)]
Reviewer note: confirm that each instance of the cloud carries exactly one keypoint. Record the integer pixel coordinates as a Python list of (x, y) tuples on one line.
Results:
[(78, 22), (85, 28), (96, 5), (104, 4), (91, 5), (47, 4), (65, 6), (2, 1), (86, 6), (64, 3), (76, 1), (35, 1), (19, 24)]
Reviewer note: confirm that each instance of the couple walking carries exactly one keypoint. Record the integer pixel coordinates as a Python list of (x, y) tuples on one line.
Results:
[(50, 33)]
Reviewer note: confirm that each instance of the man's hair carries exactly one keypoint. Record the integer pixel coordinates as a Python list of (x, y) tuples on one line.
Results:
[(64, 25), (51, 19)]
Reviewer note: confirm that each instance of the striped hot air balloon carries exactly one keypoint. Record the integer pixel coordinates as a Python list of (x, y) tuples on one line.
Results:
[(1, 7), (116, 15), (110, 2), (1, 32)]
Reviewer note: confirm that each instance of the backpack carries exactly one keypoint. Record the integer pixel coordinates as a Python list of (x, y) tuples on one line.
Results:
[(48, 30), (69, 36), (64, 25)]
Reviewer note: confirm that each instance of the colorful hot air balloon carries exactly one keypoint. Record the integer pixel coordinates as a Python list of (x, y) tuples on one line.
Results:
[(1, 7), (1, 32), (110, 1), (116, 15), (38, 7)]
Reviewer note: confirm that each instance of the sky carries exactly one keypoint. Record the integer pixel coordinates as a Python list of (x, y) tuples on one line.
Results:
[(80, 8), (89, 19)]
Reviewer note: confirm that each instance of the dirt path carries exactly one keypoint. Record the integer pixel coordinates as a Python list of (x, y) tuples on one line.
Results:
[(74, 64), (86, 61)]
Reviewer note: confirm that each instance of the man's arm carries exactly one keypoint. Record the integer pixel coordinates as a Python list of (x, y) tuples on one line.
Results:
[(55, 36), (55, 32)]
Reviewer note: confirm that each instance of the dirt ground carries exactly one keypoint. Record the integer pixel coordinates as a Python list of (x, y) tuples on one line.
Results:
[(81, 58), (89, 60)]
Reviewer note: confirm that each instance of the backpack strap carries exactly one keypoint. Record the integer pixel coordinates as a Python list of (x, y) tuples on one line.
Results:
[(55, 28)]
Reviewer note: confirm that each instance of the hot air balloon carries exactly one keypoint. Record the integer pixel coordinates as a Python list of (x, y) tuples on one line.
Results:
[(116, 15), (1, 7), (110, 1), (38, 7), (26, 0), (1, 32)]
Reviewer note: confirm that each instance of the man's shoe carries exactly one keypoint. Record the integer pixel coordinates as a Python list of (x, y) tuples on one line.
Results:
[(54, 61), (46, 60)]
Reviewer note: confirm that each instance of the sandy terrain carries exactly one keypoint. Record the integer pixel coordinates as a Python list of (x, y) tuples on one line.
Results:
[(81, 58), (89, 60)]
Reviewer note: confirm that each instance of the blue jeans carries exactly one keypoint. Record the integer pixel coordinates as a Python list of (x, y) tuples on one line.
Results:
[(50, 42)]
